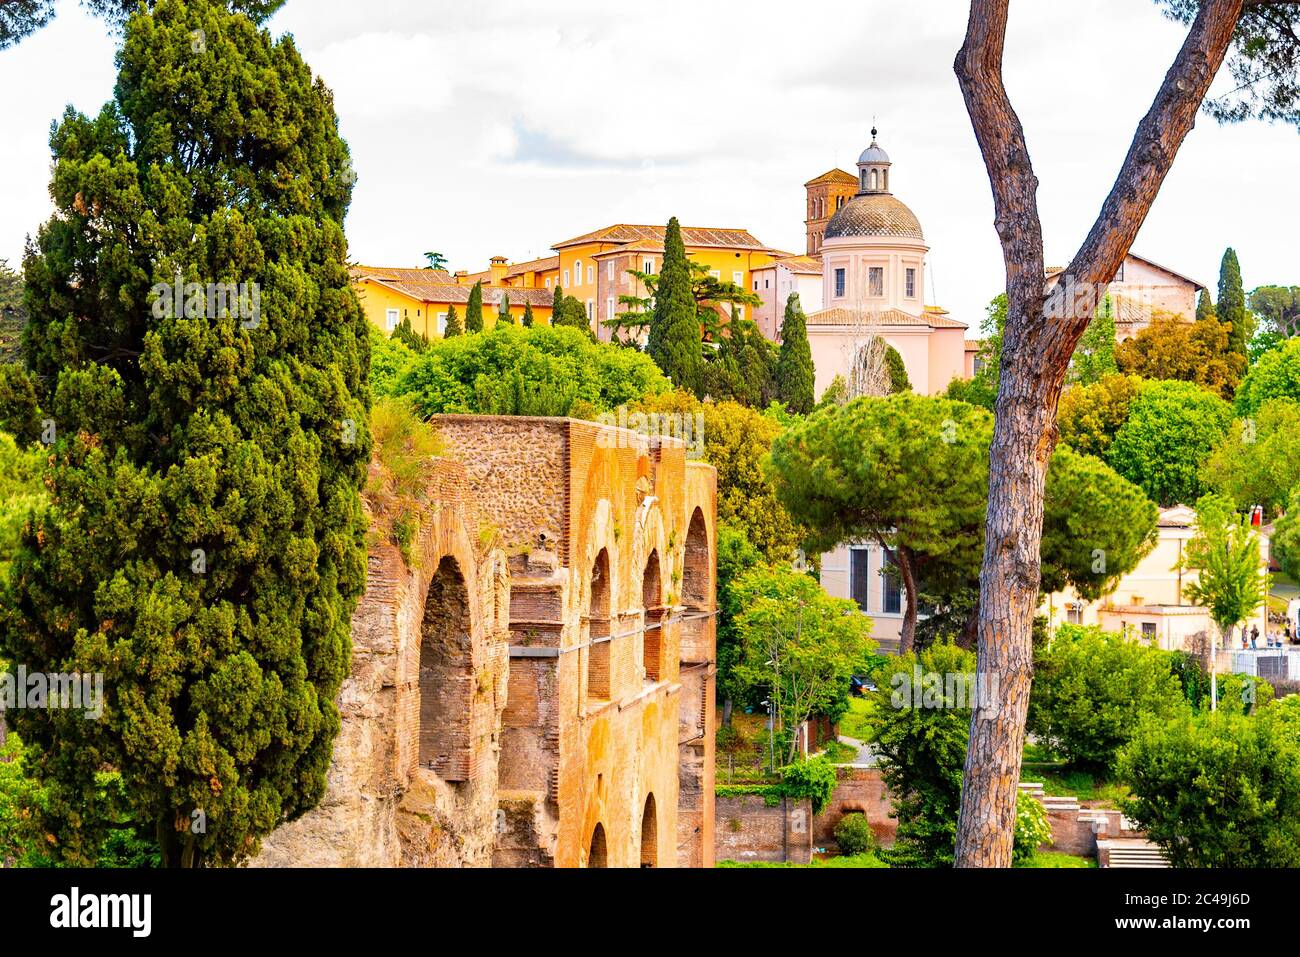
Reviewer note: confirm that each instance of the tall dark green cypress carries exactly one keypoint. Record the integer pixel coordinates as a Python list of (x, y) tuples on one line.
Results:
[(454, 328), (1231, 305), (503, 313), (527, 320), (676, 342), (474, 309), (1205, 306), (204, 547), (795, 376), (557, 305)]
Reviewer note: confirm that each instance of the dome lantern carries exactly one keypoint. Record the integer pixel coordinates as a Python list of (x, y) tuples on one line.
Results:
[(873, 168)]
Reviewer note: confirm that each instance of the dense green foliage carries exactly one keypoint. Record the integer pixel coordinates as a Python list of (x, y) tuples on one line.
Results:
[(1225, 554), (1219, 789), (474, 309), (736, 557), (675, 340), (203, 546), (854, 835), (1275, 376), (922, 751), (510, 370), (1089, 417), (13, 314), (742, 362), (794, 368), (798, 645), (1091, 688), (1171, 348), (737, 441), (1230, 304), (21, 492), (1172, 427), (1258, 461)]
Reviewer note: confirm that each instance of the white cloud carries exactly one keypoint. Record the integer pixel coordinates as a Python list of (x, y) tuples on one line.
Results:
[(481, 127)]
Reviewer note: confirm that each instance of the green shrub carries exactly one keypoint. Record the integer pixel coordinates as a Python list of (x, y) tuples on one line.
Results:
[(1220, 789), (1090, 690), (854, 835), (1032, 828), (814, 779), (922, 752), (538, 370)]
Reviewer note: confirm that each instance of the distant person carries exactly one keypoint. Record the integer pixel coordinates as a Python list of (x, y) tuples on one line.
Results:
[(1254, 637)]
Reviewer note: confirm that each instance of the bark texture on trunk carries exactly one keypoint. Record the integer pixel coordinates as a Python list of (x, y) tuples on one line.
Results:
[(906, 563), (1041, 333)]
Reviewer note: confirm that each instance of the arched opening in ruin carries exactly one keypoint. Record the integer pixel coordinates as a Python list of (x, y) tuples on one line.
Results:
[(652, 602), (695, 574), (597, 855), (598, 631), (446, 676), (649, 834)]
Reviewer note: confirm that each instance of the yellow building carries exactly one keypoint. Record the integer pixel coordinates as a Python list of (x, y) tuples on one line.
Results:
[(592, 268), (424, 296)]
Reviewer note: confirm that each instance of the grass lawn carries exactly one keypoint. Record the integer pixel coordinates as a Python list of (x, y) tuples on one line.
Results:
[(1058, 859), (838, 753), (852, 725), (857, 860), (1060, 780)]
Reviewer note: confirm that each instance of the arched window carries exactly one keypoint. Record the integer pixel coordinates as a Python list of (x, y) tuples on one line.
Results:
[(446, 678), (875, 174), (652, 602), (598, 630), (597, 855), (696, 572), (577, 272), (649, 834)]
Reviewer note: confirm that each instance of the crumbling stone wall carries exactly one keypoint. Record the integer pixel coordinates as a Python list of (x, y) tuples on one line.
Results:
[(537, 689), (381, 808)]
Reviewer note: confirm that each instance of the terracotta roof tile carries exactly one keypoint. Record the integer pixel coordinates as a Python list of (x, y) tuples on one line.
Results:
[(457, 294), (840, 316), (833, 176), (623, 234)]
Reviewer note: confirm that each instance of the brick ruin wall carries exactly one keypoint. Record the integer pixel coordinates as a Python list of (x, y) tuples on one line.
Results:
[(506, 704)]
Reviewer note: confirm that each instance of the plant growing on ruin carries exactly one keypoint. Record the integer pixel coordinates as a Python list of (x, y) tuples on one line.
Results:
[(203, 547)]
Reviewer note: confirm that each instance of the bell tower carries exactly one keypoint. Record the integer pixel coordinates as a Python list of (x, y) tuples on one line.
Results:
[(826, 194)]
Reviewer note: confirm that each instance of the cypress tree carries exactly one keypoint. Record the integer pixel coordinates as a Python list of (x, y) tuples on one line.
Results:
[(204, 547), (474, 309), (557, 305), (1205, 306), (503, 313), (527, 320), (795, 376), (454, 328), (1231, 306), (675, 341)]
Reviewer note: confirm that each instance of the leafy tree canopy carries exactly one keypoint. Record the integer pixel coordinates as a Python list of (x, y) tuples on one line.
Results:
[(1171, 348), (1171, 430), (203, 546), (511, 370), (1091, 688), (1275, 376), (1258, 461)]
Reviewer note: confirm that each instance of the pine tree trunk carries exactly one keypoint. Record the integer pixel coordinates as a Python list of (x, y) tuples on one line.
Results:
[(1041, 334), (907, 636)]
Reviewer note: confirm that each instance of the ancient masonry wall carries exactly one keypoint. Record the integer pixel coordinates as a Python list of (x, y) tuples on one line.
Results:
[(537, 690)]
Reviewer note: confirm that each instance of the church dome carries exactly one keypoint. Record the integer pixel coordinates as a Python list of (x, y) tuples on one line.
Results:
[(873, 154), (874, 214)]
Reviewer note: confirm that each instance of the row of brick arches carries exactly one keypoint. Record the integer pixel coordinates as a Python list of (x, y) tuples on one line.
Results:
[(598, 851)]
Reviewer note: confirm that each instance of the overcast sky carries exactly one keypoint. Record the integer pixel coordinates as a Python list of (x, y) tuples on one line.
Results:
[(501, 126)]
